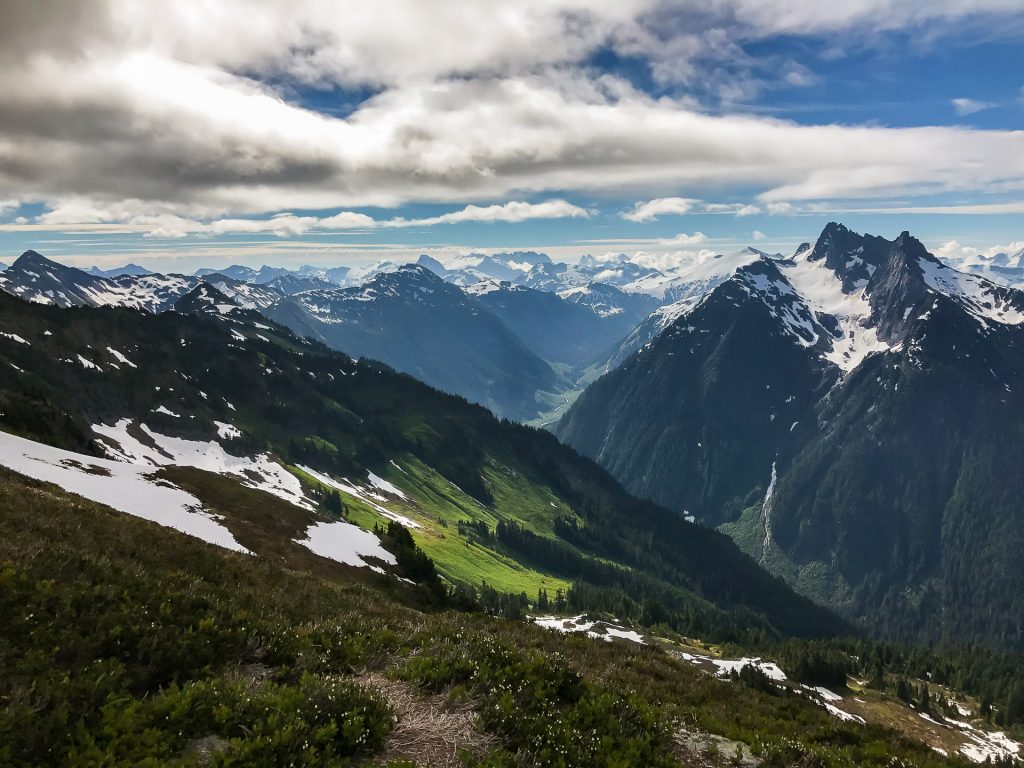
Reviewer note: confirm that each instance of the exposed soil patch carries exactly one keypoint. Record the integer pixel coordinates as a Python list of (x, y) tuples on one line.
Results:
[(430, 730)]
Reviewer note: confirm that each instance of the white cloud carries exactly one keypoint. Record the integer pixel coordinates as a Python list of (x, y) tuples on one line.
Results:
[(288, 224), (758, 235), (115, 110), (965, 107), (684, 239), (737, 209), (509, 212), (953, 250), (347, 220), (780, 208), (666, 260), (662, 206)]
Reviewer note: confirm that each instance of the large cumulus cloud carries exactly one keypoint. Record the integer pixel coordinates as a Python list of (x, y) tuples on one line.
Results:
[(118, 110)]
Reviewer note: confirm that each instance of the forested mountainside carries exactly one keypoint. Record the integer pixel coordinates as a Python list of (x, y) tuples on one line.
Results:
[(488, 500), (852, 417)]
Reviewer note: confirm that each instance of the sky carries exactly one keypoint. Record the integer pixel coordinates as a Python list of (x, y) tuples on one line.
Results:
[(207, 132)]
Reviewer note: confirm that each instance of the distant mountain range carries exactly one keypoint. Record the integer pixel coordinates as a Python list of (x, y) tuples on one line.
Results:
[(517, 350), (418, 323), (127, 269), (854, 416), (1004, 268)]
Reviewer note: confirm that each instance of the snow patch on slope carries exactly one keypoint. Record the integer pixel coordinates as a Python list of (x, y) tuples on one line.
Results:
[(259, 472), (979, 296), (384, 485), (345, 543), (364, 495), (128, 488), (822, 289), (598, 630)]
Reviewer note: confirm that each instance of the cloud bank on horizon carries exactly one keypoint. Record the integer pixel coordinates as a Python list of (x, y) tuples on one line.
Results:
[(278, 119)]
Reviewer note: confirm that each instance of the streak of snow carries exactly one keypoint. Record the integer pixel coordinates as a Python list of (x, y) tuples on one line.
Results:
[(121, 358), (360, 493), (826, 694), (843, 715), (87, 364), (15, 337), (384, 485)]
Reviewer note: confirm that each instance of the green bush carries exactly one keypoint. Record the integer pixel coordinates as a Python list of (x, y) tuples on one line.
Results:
[(541, 708), (318, 722)]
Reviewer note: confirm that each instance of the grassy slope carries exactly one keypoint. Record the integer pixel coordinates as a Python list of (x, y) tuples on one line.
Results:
[(438, 507), (122, 637)]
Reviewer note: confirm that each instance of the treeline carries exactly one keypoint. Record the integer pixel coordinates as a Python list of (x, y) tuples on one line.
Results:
[(995, 678), (915, 674), (628, 594)]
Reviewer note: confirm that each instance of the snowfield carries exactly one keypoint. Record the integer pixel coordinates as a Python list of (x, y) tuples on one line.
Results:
[(128, 484), (822, 289), (980, 297), (128, 488), (981, 745)]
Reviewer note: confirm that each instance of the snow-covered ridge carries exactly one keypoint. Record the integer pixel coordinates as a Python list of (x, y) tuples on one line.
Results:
[(485, 286), (784, 303), (982, 298), (696, 278)]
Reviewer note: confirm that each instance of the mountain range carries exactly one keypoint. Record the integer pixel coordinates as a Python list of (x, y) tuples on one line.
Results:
[(214, 390), (852, 416), (848, 414), (511, 348)]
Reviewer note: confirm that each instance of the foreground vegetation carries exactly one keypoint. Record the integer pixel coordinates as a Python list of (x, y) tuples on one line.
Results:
[(127, 644)]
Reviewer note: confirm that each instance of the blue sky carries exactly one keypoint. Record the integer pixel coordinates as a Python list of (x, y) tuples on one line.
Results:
[(296, 134)]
